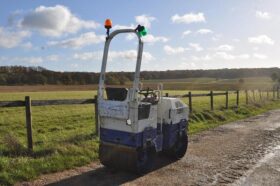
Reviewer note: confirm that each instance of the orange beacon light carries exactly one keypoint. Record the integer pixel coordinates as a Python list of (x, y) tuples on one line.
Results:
[(108, 23)]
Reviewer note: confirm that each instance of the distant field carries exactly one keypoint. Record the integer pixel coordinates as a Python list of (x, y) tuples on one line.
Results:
[(169, 84), (42, 88), (63, 135), (214, 84)]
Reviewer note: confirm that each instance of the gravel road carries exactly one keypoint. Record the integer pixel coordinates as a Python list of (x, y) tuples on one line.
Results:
[(246, 152)]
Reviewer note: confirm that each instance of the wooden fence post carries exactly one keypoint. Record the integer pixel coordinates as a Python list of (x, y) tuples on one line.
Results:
[(166, 95), (28, 115), (212, 100), (190, 101), (247, 97), (267, 95), (226, 99), (273, 90), (278, 93), (254, 97), (260, 92), (237, 98), (96, 116)]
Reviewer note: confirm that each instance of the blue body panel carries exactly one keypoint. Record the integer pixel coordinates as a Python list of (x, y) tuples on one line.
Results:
[(171, 132), (127, 138), (163, 140), (121, 137)]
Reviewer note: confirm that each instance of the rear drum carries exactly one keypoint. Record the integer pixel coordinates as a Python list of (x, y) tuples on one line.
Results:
[(126, 158)]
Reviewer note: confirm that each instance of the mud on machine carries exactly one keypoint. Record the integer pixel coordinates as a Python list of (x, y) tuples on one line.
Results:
[(136, 124)]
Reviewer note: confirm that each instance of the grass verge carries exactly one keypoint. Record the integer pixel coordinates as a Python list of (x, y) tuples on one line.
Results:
[(204, 120)]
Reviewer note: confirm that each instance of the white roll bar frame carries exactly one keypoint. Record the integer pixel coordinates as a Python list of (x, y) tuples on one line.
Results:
[(105, 58)]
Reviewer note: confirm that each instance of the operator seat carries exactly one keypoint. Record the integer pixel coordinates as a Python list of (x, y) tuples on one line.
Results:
[(116, 94)]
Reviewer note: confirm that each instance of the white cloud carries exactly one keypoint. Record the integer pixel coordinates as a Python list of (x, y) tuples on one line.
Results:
[(236, 40), (130, 36), (204, 31), (127, 55), (225, 48), (11, 39), (149, 38), (87, 56), (117, 27), (74, 65), (187, 32), (83, 40), (196, 46), (27, 45), (30, 60), (3, 59), (256, 48), (243, 56), (174, 50), (260, 56), (263, 15), (202, 58), (152, 39), (187, 65), (55, 21), (144, 20), (52, 58), (34, 60), (188, 18), (13, 18), (261, 39), (226, 56), (217, 37)]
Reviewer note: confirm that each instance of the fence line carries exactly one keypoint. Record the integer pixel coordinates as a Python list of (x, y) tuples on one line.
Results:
[(211, 94), (28, 103)]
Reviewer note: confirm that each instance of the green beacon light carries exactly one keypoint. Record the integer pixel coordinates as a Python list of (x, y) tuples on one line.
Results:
[(141, 30)]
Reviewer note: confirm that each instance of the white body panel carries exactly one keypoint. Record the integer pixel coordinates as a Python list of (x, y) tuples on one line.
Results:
[(118, 119), (172, 110), (113, 109), (115, 124)]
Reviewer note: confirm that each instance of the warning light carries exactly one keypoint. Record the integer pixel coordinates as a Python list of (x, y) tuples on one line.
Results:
[(108, 24), (141, 30)]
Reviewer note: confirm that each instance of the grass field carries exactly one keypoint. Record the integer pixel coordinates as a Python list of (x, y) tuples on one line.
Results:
[(63, 135), (213, 83), (169, 84)]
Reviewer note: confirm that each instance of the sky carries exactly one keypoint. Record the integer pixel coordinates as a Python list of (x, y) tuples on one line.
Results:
[(65, 35)]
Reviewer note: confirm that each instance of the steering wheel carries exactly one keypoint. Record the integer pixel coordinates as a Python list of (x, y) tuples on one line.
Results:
[(147, 92)]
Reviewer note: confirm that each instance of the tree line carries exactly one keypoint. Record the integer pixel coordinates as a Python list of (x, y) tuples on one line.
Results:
[(19, 75), (275, 77)]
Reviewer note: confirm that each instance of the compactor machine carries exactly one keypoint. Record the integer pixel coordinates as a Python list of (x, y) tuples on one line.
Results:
[(135, 123)]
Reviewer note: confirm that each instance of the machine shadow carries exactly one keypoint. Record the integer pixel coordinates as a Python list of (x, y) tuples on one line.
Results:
[(106, 176)]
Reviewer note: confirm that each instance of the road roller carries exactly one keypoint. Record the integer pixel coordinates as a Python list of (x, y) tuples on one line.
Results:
[(135, 123)]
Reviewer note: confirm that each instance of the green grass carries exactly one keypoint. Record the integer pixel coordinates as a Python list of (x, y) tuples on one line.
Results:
[(213, 83), (63, 138), (63, 135)]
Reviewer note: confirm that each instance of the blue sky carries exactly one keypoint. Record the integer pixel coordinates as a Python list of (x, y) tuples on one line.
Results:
[(194, 34)]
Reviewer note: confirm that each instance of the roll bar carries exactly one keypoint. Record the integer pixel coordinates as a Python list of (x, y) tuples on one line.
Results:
[(105, 58)]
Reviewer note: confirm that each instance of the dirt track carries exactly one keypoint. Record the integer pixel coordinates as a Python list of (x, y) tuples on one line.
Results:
[(240, 153)]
